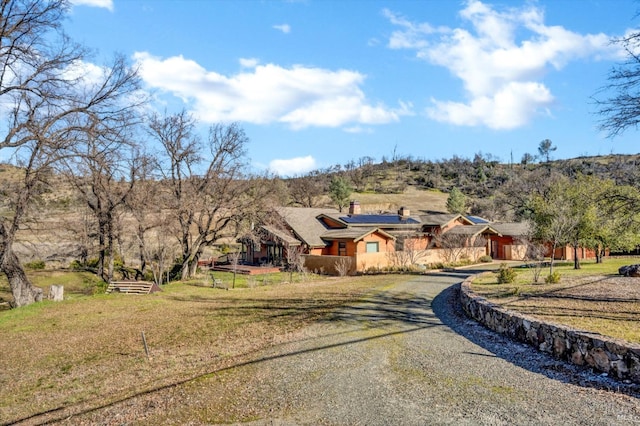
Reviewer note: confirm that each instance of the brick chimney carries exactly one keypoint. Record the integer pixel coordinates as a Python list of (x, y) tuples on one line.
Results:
[(404, 213), (354, 207)]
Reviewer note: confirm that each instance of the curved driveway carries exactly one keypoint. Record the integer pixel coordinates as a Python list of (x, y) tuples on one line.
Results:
[(405, 356)]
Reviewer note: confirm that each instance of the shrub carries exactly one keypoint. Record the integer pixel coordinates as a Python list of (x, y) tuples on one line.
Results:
[(506, 274), (553, 278), (35, 264), (76, 265), (343, 266), (148, 275), (486, 259), (92, 262)]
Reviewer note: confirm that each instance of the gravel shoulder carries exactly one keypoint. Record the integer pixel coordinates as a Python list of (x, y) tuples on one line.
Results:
[(406, 356)]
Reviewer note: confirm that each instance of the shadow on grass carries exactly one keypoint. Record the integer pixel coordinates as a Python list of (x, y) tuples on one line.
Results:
[(389, 313)]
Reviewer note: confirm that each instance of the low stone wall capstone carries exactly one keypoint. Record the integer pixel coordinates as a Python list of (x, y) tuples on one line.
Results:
[(618, 358)]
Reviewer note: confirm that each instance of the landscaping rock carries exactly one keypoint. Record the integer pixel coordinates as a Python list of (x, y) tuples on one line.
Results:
[(629, 271)]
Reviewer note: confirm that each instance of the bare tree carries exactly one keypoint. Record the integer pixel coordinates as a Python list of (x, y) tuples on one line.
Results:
[(477, 242), (103, 172), (306, 190), (234, 258), (295, 260), (410, 250), (211, 196), (343, 266), (619, 106), (453, 246), (534, 255), (159, 252), (145, 202), (50, 102)]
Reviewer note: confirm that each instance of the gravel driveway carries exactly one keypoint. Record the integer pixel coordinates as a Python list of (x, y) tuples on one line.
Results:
[(404, 356)]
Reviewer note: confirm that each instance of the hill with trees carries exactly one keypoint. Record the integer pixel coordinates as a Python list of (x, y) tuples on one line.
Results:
[(97, 182)]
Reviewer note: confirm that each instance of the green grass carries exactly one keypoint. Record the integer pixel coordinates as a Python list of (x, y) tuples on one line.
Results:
[(76, 284), (250, 281)]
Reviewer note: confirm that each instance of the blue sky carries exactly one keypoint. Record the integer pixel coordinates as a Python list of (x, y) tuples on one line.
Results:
[(316, 83)]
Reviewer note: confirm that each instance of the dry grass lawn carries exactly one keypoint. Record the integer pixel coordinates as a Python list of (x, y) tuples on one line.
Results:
[(67, 358), (594, 299), (63, 358)]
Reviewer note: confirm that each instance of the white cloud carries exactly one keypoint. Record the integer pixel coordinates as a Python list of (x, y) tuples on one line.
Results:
[(85, 73), (107, 4), (298, 96), (249, 62), (501, 70), (285, 28), (358, 130), (293, 166), (504, 109)]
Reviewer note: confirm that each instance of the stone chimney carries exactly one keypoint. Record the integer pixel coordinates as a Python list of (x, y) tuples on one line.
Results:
[(354, 207), (404, 213)]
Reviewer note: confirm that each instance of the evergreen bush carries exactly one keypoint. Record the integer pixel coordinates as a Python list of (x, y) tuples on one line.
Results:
[(506, 274)]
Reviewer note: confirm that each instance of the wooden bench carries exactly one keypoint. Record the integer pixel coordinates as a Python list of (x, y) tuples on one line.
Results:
[(132, 287)]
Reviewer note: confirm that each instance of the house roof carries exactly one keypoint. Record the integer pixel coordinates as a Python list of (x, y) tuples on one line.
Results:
[(472, 230), (304, 223), (308, 227), (355, 234), (516, 229), (429, 218), (378, 219), (282, 235)]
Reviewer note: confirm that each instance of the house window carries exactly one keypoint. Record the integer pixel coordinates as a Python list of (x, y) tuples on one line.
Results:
[(342, 248), (372, 247)]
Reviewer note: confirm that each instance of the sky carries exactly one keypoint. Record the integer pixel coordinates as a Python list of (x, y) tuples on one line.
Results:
[(318, 83)]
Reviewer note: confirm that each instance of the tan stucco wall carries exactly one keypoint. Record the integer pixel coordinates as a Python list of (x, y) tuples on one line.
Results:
[(437, 255), (365, 261), (383, 244), (326, 264)]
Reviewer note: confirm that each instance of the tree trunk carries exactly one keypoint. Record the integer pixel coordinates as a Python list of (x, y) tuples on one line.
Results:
[(101, 249), (111, 255), (184, 269), (24, 293), (141, 250), (576, 259)]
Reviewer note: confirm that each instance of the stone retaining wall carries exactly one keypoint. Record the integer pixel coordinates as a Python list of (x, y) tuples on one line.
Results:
[(618, 358)]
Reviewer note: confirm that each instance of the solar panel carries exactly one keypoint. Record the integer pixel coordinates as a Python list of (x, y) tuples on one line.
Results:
[(477, 220), (378, 219)]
